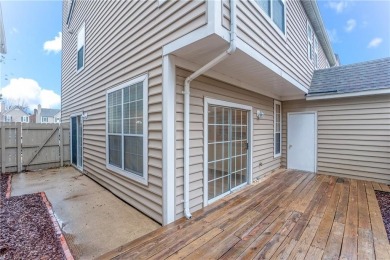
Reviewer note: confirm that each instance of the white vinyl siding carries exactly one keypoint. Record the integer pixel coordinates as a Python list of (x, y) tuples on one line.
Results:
[(277, 128), (276, 10), (81, 47), (127, 129)]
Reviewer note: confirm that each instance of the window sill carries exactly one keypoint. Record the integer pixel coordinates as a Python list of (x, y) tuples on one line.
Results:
[(277, 156), (128, 175)]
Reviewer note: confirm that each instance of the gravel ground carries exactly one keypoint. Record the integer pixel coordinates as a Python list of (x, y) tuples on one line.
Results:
[(384, 205), (26, 228)]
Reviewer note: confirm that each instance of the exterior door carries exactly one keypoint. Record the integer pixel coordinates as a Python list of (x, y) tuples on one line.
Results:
[(76, 142), (302, 141), (227, 150)]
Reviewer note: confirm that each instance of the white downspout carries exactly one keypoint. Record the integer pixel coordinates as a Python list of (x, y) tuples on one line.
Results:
[(187, 82)]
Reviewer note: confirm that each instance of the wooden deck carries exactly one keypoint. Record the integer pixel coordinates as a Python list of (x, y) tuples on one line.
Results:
[(290, 215)]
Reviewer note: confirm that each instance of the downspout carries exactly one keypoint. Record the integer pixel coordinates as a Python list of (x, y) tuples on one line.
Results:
[(187, 82)]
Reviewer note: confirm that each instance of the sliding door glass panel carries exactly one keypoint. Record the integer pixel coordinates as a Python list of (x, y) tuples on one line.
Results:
[(79, 143), (74, 140)]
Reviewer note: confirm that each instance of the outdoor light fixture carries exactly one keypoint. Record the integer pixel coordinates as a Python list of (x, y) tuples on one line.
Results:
[(259, 114)]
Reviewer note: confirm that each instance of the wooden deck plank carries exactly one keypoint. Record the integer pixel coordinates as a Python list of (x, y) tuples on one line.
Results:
[(364, 214), (385, 187), (341, 211), (314, 253), (381, 243), (333, 246), (376, 186), (285, 249), (349, 244), (325, 227), (325, 199), (365, 244)]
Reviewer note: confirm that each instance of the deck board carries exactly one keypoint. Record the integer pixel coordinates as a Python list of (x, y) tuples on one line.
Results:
[(291, 214)]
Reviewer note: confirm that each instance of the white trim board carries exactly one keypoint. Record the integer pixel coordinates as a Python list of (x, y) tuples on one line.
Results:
[(207, 102), (80, 114), (353, 94), (169, 145)]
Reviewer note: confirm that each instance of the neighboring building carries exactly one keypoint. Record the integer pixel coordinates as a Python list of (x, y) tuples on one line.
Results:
[(14, 114), (46, 115), (128, 69), (3, 47)]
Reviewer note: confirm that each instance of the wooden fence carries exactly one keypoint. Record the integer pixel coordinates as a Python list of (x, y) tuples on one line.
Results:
[(33, 146)]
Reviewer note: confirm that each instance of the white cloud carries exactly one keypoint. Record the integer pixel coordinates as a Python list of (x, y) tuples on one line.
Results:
[(333, 37), (28, 92), (374, 42), (351, 24), (54, 45), (339, 6)]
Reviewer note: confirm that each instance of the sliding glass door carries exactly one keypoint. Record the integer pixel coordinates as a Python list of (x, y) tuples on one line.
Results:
[(76, 142)]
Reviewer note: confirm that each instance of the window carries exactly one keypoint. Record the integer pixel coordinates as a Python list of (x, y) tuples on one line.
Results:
[(315, 53), (8, 118), (44, 119), (24, 119), (127, 129), (277, 128), (309, 41), (57, 120), (275, 9), (81, 48)]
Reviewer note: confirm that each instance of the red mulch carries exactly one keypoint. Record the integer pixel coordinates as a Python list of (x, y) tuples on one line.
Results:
[(384, 204), (27, 231)]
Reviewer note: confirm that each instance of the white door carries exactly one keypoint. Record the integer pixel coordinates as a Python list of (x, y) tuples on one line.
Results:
[(302, 141)]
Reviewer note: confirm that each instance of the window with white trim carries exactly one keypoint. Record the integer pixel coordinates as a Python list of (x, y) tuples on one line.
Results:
[(309, 41), (127, 129), (315, 53), (8, 118), (277, 128), (81, 47), (44, 119), (24, 119), (276, 10)]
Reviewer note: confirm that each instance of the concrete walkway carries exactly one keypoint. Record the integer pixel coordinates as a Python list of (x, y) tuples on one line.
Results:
[(92, 219)]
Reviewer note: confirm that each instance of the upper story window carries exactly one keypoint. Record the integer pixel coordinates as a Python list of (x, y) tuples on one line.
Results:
[(315, 53), (309, 42), (81, 47), (276, 10), (44, 119), (127, 129), (8, 118), (24, 119)]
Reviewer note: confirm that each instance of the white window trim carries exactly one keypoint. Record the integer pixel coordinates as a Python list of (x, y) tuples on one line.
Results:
[(270, 20), (8, 118), (82, 139), (280, 124), (210, 101), (47, 119), (25, 119), (82, 27), (315, 52), (143, 180)]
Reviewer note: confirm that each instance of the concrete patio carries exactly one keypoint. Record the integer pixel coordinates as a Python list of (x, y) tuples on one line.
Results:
[(92, 219)]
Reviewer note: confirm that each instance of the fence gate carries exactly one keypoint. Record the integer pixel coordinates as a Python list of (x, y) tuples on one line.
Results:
[(34, 146)]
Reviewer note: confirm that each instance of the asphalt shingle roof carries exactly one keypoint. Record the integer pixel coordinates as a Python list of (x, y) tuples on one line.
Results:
[(49, 112), (364, 76)]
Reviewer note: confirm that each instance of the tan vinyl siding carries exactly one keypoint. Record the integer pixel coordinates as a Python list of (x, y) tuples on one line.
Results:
[(124, 39), (262, 133), (353, 135), (288, 53)]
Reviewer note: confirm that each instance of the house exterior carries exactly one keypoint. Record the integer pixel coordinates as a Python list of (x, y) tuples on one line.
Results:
[(14, 114), (46, 115), (174, 104)]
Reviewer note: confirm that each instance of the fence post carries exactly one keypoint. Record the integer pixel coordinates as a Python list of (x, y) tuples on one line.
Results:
[(61, 145), (19, 146), (3, 148)]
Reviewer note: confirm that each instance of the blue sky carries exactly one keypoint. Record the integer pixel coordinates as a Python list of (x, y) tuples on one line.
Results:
[(359, 30)]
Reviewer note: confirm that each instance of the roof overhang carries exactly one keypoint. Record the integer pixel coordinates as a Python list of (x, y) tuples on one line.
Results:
[(314, 15), (352, 94), (3, 47)]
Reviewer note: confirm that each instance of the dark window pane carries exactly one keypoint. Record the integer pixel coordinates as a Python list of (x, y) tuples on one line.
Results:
[(265, 5), (115, 150), (80, 58), (278, 13), (134, 154), (277, 143)]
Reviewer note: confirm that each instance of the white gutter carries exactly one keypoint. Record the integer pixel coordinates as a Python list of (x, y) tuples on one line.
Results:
[(187, 82)]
